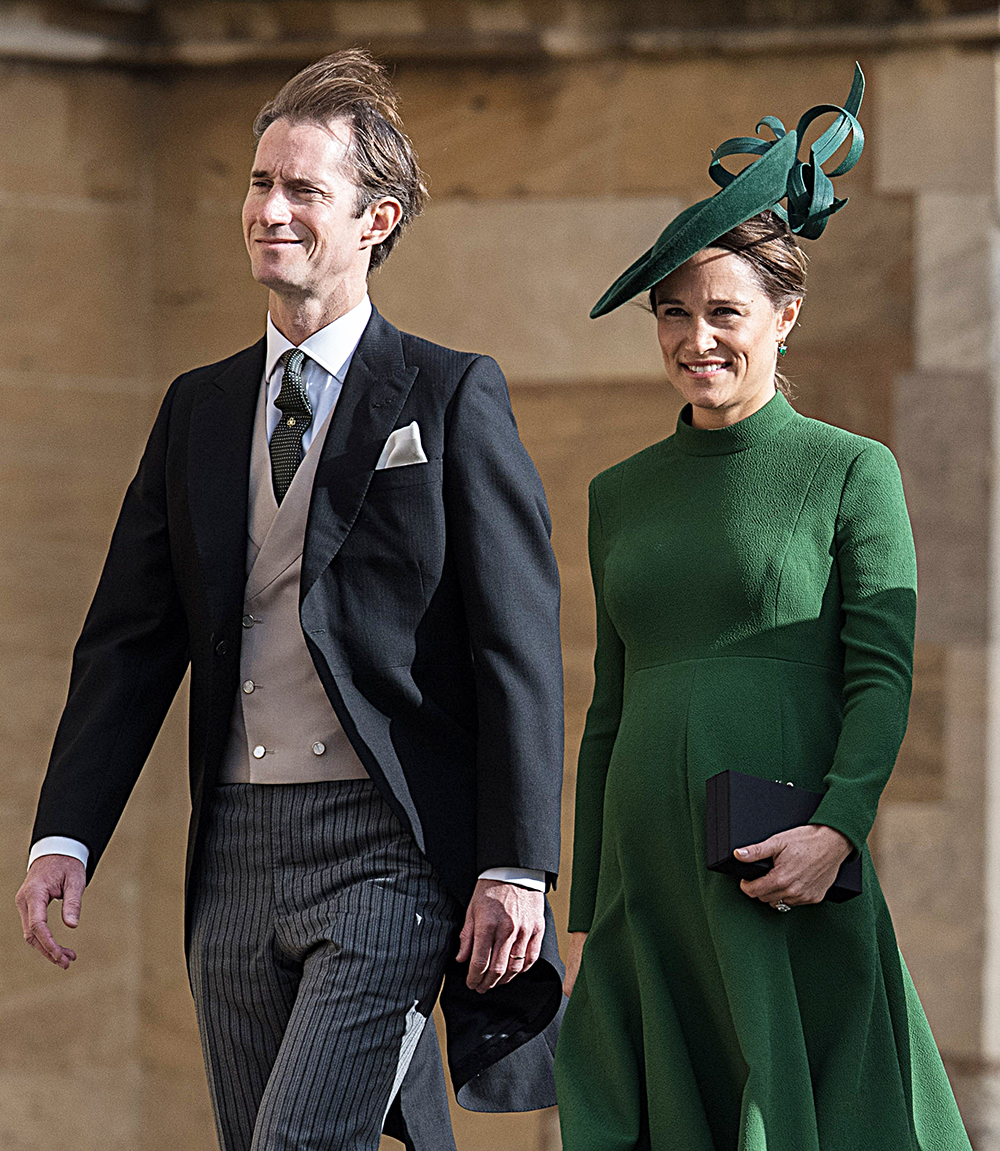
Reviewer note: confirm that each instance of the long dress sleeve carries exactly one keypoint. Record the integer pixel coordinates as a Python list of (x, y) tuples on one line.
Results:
[(877, 567), (603, 718)]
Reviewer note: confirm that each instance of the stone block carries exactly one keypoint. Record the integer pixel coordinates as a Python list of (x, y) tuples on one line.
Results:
[(942, 441), (60, 492), (517, 279), (508, 131), (84, 1108), (366, 18), (926, 857), (860, 297), (498, 16), (34, 685), (935, 120), (84, 137), (77, 284), (920, 771), (956, 250), (235, 20), (847, 386)]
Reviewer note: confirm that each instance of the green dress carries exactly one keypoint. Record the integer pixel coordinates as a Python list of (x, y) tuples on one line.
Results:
[(756, 594)]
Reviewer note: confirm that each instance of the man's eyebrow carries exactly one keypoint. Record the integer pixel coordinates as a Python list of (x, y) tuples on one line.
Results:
[(295, 181)]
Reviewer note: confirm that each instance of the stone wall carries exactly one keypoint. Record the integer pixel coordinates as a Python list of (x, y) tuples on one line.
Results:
[(119, 211)]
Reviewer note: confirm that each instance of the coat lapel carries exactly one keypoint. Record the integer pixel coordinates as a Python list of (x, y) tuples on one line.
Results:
[(219, 475), (367, 410)]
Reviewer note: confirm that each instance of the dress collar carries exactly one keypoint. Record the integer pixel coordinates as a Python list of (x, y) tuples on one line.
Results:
[(746, 433)]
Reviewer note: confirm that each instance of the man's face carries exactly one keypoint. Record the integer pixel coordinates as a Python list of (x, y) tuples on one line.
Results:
[(299, 220)]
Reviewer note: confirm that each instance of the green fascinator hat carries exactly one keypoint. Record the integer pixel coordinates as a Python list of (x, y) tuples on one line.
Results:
[(778, 174)]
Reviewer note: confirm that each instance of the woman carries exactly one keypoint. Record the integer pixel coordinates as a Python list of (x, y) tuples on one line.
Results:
[(755, 585)]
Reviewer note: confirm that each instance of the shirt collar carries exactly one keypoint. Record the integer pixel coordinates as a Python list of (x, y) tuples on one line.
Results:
[(331, 347)]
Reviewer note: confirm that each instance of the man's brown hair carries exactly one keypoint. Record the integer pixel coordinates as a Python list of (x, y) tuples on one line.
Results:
[(352, 86)]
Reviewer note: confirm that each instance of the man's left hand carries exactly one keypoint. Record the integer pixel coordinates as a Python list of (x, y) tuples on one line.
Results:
[(503, 933)]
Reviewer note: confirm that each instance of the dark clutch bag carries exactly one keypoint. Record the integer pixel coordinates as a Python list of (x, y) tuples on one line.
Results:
[(742, 809)]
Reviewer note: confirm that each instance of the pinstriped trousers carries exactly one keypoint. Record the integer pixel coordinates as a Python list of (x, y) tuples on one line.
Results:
[(319, 939)]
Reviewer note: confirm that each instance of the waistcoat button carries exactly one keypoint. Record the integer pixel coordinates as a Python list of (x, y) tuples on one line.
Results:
[(248, 686), (248, 621), (259, 751), (319, 748)]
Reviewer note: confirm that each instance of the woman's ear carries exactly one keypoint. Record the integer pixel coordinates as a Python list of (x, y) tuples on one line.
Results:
[(789, 314)]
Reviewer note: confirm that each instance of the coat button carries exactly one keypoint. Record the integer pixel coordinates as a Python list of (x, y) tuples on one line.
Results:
[(259, 751), (248, 621), (319, 748), (221, 647), (248, 687)]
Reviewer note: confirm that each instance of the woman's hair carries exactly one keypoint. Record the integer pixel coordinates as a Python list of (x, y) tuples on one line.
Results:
[(352, 86), (766, 243)]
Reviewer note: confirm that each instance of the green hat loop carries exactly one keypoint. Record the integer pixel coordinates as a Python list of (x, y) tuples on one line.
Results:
[(777, 175)]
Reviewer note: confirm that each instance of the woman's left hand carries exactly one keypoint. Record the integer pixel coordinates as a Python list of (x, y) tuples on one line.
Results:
[(806, 861)]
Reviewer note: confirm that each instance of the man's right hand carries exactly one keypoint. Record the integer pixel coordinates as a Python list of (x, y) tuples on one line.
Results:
[(51, 877)]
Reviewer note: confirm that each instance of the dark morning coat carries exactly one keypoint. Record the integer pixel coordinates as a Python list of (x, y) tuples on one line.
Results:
[(429, 603)]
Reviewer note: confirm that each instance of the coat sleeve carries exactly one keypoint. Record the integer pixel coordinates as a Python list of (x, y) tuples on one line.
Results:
[(127, 665), (498, 534), (603, 719), (877, 566)]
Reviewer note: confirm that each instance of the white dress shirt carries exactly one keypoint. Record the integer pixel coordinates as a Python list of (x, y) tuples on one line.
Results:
[(328, 356)]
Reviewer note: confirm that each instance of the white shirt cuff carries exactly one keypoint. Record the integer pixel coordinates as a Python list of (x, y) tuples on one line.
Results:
[(522, 876), (59, 845)]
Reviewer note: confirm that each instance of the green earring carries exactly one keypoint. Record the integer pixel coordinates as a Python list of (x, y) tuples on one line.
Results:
[(782, 347)]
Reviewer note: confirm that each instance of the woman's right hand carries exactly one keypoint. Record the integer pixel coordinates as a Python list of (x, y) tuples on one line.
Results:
[(576, 941)]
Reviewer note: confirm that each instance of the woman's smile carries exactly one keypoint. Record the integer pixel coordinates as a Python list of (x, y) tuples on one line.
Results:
[(703, 368)]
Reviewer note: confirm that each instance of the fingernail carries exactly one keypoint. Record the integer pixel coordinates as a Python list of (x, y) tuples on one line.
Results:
[(742, 851)]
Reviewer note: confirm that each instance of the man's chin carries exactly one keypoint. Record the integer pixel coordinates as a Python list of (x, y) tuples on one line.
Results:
[(274, 281)]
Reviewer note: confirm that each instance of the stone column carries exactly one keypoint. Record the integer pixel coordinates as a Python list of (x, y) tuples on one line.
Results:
[(935, 138)]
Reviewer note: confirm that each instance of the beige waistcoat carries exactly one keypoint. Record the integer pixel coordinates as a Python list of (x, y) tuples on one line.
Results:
[(283, 727)]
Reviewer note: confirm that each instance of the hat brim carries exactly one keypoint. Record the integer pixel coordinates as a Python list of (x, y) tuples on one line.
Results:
[(761, 185)]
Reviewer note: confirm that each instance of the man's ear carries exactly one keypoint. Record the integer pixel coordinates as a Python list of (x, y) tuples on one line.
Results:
[(380, 217)]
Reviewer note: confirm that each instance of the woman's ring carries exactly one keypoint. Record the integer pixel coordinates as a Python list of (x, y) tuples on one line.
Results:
[(517, 957), (781, 905)]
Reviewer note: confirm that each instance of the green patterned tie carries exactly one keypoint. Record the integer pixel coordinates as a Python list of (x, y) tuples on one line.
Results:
[(296, 416)]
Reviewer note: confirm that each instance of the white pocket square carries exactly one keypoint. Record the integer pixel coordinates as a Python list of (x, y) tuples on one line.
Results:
[(401, 448)]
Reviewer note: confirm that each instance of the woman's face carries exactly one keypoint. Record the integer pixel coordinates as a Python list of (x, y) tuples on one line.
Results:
[(719, 335)]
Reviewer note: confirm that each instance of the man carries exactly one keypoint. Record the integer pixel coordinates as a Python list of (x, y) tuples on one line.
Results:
[(340, 531)]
